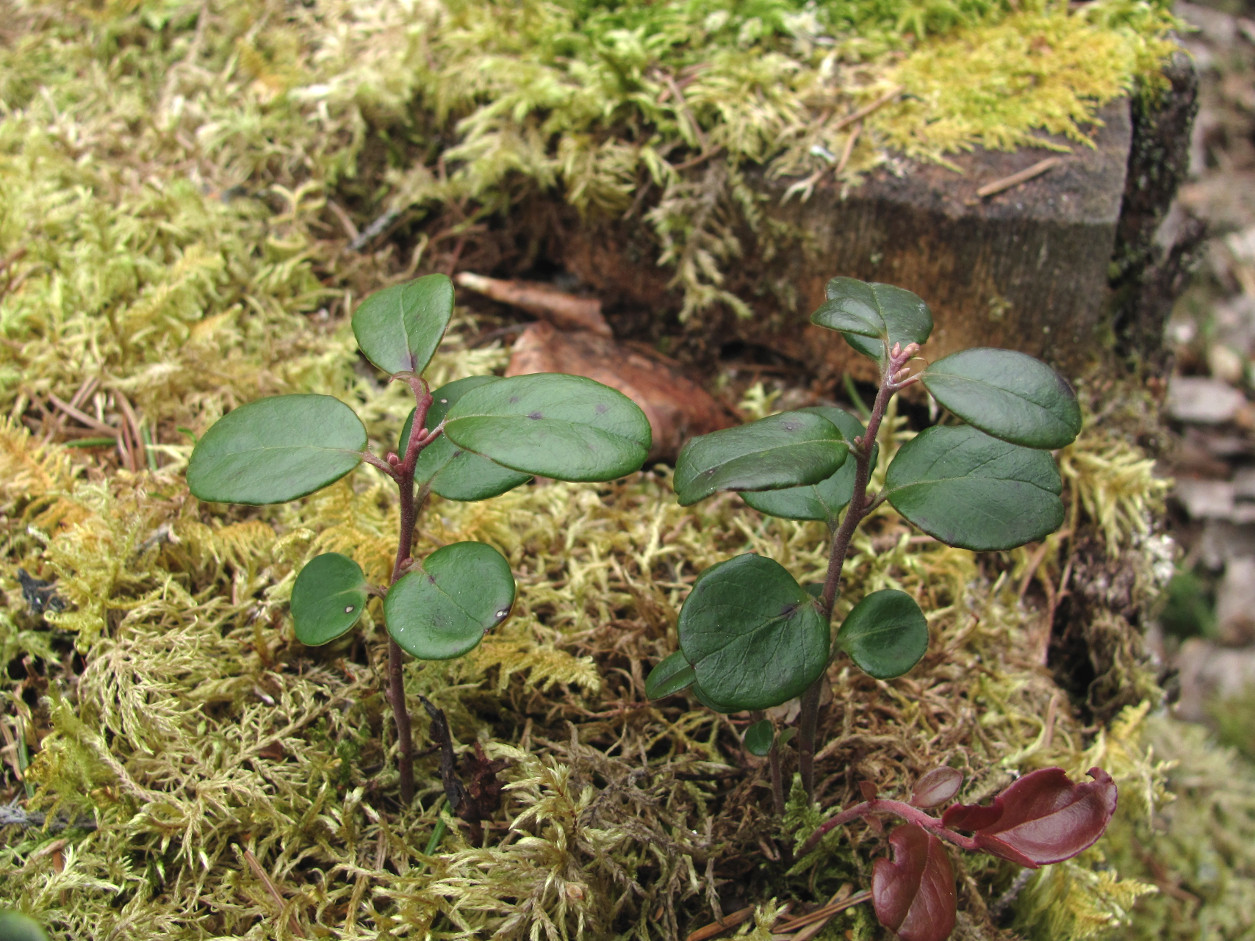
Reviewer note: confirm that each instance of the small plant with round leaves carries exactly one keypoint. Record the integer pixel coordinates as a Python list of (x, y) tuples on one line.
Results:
[(471, 439), (752, 637)]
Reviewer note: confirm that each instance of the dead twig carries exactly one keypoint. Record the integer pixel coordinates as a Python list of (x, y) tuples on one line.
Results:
[(541, 300), (724, 924), (271, 888), (1015, 179), (805, 927), (864, 111)]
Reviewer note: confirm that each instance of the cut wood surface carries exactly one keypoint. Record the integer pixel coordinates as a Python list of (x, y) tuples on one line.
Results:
[(1008, 249)]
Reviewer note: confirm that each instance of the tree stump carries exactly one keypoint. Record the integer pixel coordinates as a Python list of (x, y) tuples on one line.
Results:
[(1049, 265)]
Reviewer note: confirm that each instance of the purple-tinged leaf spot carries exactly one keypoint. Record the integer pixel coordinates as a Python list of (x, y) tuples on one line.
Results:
[(914, 894), (535, 416)]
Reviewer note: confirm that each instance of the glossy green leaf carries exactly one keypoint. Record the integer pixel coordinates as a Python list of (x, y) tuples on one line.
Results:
[(970, 490), (399, 327), (826, 499), (671, 675), (276, 449), (1007, 394), (328, 598), (885, 634), (784, 450), (553, 425), (443, 608), (449, 470), (705, 699), (759, 738), (754, 636), (873, 317), (14, 926)]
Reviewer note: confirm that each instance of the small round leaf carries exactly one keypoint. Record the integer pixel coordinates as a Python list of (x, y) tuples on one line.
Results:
[(328, 598), (936, 787), (759, 738), (671, 675), (399, 327), (826, 499), (885, 634), (448, 470), (276, 449), (784, 450), (552, 425), (967, 489), (1006, 394), (442, 609), (754, 636)]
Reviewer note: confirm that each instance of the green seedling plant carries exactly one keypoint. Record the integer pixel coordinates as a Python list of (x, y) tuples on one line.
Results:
[(472, 439), (751, 637)]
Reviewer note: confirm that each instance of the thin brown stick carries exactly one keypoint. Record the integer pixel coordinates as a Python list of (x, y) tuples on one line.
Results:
[(1015, 179), (724, 924), (81, 416), (275, 894), (683, 107), (138, 454), (864, 111), (815, 922), (848, 150), (542, 300)]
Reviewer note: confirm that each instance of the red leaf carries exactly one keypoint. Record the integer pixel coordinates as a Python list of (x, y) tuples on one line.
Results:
[(936, 787), (1041, 818), (914, 894)]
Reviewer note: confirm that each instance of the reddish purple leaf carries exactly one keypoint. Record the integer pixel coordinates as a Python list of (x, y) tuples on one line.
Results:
[(936, 787), (971, 816), (1041, 818), (914, 894)]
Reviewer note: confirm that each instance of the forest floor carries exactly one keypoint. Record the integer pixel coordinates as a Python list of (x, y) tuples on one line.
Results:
[(203, 776)]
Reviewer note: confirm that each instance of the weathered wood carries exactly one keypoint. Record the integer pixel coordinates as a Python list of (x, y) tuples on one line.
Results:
[(1026, 268)]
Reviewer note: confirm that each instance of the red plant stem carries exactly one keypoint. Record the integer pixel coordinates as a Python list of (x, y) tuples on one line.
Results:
[(899, 809), (859, 507), (403, 473)]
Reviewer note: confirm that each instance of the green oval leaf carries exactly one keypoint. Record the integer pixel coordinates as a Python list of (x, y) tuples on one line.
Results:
[(553, 425), (705, 699), (450, 471), (671, 675), (759, 738), (328, 598), (399, 327), (885, 634), (442, 609), (276, 449), (782, 450), (826, 499), (862, 309), (754, 636), (14, 926), (973, 491), (1006, 394)]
